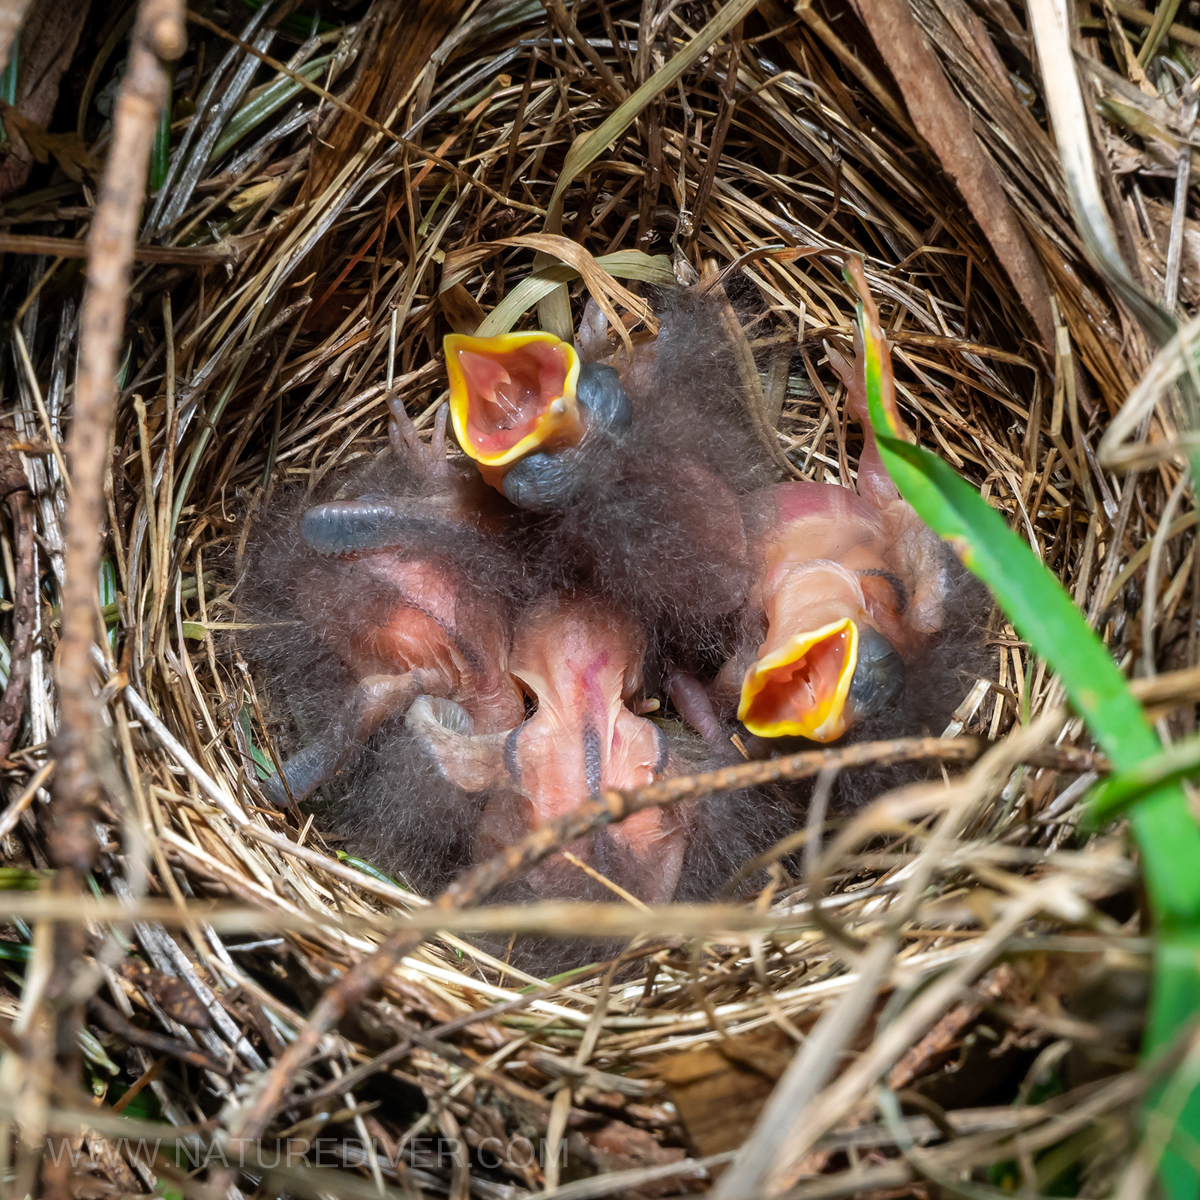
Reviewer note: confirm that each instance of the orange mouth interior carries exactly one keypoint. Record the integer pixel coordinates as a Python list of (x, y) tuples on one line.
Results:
[(800, 690), (512, 394)]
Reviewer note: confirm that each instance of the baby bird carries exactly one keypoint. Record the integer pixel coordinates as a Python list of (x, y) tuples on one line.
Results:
[(636, 466), (394, 585), (852, 592), (579, 663)]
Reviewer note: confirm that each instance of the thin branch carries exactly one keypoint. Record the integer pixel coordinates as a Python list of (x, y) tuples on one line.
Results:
[(475, 885), (115, 1023), (158, 34), (227, 250)]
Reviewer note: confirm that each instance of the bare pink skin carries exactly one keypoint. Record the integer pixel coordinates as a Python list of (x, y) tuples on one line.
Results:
[(914, 549), (830, 553), (426, 637), (581, 664), (403, 620), (459, 648), (692, 702)]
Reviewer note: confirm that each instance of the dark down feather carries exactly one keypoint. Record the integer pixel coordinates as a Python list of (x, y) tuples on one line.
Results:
[(654, 520)]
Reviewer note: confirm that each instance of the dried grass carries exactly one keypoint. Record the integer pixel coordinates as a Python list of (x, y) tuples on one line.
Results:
[(322, 289)]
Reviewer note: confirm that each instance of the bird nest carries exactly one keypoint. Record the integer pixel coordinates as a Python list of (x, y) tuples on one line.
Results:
[(337, 194)]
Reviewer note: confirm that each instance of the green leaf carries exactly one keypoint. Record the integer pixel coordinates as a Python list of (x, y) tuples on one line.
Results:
[(160, 151), (143, 1107), (1117, 793), (1043, 614), (108, 582), (367, 869), (94, 1052), (297, 24), (264, 766), (269, 101), (21, 879), (8, 79)]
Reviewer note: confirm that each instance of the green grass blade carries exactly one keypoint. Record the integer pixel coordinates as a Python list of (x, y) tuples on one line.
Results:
[(160, 151), (297, 24), (8, 79), (587, 149), (1044, 615), (268, 102), (554, 309), (367, 868), (1124, 789)]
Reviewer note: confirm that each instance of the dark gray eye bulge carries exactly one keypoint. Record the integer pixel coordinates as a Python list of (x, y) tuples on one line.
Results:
[(549, 481), (541, 482), (878, 676), (347, 526), (599, 391), (306, 771)]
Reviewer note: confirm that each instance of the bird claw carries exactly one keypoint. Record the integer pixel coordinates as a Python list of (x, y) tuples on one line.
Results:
[(601, 392), (427, 460)]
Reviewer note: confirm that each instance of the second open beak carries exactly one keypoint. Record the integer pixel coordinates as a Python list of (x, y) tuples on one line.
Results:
[(802, 689), (511, 395)]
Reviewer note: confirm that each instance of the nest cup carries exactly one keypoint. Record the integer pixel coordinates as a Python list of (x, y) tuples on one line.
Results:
[(333, 193)]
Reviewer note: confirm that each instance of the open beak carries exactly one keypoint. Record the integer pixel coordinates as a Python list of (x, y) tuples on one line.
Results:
[(801, 689), (511, 395)]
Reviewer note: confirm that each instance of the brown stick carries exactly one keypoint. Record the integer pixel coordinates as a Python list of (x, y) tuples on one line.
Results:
[(943, 120), (225, 251), (158, 34), (114, 1022), (474, 885), (14, 487)]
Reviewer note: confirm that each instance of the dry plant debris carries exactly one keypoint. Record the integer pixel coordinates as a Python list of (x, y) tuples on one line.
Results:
[(951, 986)]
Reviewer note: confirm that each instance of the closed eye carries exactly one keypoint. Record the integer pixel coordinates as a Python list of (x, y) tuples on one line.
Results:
[(893, 581)]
